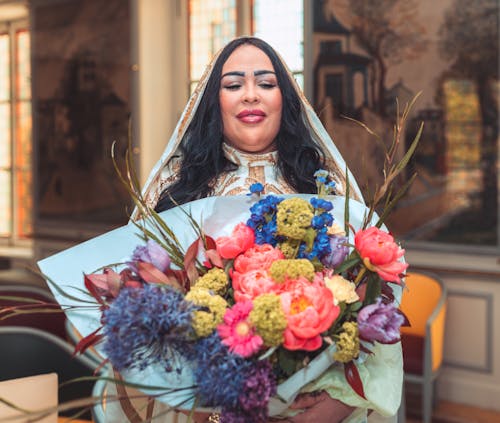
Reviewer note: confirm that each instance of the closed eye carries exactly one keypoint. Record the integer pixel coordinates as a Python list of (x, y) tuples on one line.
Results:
[(232, 87), (267, 85)]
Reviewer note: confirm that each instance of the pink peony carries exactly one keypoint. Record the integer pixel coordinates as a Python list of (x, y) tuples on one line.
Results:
[(310, 310), (250, 285), (259, 257), (241, 239), (380, 253), (237, 332)]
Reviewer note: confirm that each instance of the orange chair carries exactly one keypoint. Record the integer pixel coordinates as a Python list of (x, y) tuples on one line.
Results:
[(424, 302)]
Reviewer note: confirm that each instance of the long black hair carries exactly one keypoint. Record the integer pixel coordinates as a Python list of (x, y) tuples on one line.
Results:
[(203, 160)]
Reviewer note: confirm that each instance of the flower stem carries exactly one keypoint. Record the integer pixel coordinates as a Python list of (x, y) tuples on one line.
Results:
[(360, 275)]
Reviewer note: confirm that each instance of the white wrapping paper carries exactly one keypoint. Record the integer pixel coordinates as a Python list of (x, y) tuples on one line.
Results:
[(217, 216)]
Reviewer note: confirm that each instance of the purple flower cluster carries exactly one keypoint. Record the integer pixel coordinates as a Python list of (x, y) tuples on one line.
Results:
[(258, 388), (146, 325), (338, 252), (152, 253), (263, 220), (228, 380), (380, 322)]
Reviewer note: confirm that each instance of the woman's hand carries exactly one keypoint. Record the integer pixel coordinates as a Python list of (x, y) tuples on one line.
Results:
[(319, 407)]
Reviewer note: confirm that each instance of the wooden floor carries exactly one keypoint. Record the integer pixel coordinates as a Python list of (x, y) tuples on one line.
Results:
[(448, 412)]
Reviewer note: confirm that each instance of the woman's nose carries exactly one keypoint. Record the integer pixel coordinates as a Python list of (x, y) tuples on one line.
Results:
[(250, 94)]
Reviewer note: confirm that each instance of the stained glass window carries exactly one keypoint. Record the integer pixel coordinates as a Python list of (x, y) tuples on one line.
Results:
[(5, 137), (15, 135), (212, 24), (23, 135)]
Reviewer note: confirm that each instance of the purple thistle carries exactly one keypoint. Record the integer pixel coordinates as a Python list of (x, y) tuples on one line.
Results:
[(219, 374), (146, 325), (380, 322)]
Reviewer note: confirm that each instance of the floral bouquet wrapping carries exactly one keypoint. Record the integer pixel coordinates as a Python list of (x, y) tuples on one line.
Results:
[(237, 303)]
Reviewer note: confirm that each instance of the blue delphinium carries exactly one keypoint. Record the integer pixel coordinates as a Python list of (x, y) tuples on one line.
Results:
[(321, 203), (263, 220), (321, 246), (321, 176), (256, 188), (146, 325)]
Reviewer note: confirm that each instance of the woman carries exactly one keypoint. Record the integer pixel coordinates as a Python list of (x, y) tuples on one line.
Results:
[(249, 122)]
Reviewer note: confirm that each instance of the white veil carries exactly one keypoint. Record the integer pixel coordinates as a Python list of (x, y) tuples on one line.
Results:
[(335, 162)]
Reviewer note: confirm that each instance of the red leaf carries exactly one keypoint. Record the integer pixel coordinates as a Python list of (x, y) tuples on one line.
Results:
[(361, 291), (406, 321), (100, 280), (215, 258), (180, 276), (387, 291), (192, 273), (114, 282), (152, 274), (353, 378), (87, 342), (92, 288), (191, 254), (210, 243)]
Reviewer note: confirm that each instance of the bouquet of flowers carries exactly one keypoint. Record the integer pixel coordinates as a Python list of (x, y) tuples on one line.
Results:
[(236, 303)]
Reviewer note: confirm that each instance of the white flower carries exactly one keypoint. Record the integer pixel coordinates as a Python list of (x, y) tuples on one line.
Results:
[(335, 230), (342, 289)]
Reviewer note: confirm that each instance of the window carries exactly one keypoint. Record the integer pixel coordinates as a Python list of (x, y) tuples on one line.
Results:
[(281, 24), (15, 133), (212, 24)]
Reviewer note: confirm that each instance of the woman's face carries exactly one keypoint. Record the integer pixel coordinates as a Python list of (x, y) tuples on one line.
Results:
[(250, 100)]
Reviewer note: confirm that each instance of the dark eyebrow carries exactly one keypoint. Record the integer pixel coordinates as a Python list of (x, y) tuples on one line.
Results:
[(263, 72), (239, 73), (233, 73)]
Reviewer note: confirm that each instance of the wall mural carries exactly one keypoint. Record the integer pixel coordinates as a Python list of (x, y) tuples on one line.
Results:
[(367, 55), (81, 51)]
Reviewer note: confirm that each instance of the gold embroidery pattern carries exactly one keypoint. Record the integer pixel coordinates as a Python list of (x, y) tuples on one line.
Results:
[(224, 182), (255, 174)]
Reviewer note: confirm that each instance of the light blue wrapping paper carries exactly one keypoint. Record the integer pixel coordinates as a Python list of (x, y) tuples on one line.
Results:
[(218, 216)]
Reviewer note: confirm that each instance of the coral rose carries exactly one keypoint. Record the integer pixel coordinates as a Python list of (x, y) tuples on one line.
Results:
[(310, 310), (380, 253), (259, 257), (241, 239), (250, 285)]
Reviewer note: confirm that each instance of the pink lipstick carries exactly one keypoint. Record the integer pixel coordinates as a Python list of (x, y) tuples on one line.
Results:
[(251, 116)]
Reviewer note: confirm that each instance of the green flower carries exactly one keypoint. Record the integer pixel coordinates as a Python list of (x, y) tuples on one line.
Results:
[(204, 322), (347, 343), (214, 280), (269, 319), (289, 248), (294, 217), (291, 269)]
